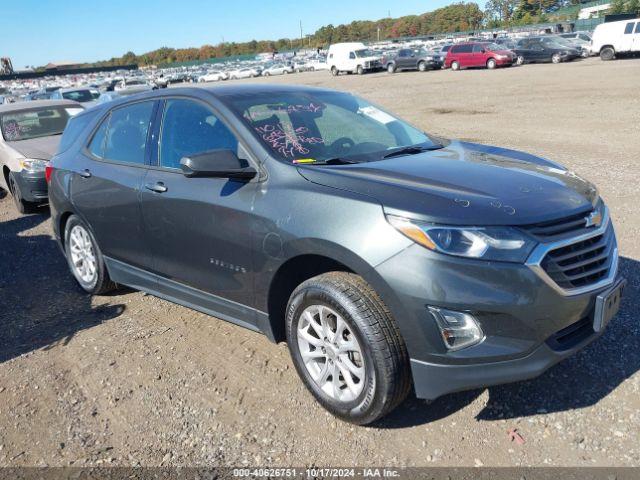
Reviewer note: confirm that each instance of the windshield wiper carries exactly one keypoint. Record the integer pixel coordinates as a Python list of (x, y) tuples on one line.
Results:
[(330, 161), (412, 150)]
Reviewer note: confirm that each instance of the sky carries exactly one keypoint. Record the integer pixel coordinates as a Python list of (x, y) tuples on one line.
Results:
[(36, 32)]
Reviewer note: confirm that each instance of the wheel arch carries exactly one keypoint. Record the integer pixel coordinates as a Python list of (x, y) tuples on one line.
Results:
[(306, 265)]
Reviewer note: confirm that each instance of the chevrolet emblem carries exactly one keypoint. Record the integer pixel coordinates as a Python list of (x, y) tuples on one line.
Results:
[(594, 219)]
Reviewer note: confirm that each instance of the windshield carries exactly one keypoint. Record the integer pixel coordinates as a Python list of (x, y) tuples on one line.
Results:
[(78, 95), (319, 126), (363, 53), (557, 42), (29, 124), (494, 47)]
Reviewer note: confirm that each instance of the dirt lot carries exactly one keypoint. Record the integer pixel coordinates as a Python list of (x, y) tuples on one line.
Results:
[(129, 379)]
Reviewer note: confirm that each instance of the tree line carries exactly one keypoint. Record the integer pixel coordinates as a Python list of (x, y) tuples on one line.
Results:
[(458, 17)]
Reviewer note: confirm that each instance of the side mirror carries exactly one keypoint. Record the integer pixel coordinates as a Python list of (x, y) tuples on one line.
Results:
[(482, 50), (217, 164)]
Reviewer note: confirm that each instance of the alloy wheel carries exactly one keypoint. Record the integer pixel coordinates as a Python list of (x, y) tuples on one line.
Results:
[(331, 353), (83, 257)]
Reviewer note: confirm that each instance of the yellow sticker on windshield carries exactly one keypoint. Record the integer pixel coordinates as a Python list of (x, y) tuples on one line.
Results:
[(304, 160)]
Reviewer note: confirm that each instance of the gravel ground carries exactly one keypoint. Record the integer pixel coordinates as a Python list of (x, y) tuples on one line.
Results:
[(129, 379)]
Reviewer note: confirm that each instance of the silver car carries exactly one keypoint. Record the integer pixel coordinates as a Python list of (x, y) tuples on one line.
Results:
[(30, 135)]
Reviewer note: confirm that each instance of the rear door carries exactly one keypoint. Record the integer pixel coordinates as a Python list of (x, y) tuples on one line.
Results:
[(465, 55), (106, 185), (199, 229), (636, 38)]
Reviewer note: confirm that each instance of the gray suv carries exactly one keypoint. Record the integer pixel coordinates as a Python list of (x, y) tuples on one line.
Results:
[(385, 257)]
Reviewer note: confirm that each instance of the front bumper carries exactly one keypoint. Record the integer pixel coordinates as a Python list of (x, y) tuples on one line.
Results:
[(434, 380), (32, 185), (519, 313), (501, 62)]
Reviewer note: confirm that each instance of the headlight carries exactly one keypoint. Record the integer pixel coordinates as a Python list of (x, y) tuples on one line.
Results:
[(33, 165), (503, 244)]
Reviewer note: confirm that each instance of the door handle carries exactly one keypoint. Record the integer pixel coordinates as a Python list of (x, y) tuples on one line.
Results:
[(156, 187), (85, 173)]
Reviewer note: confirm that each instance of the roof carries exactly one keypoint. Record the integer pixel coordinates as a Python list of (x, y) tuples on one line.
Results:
[(19, 106), (219, 91), (254, 88), (61, 64)]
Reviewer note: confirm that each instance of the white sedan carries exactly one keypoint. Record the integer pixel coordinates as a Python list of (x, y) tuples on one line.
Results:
[(277, 69), (244, 73), (214, 76)]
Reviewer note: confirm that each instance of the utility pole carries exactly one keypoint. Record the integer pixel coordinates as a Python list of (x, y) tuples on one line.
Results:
[(378, 34), (301, 37)]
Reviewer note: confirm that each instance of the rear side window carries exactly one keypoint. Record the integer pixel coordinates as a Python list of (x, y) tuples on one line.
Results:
[(96, 147), (462, 49), (629, 28), (74, 128), (126, 136), (188, 128)]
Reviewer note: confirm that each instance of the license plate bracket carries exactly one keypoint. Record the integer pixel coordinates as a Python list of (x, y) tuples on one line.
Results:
[(607, 305)]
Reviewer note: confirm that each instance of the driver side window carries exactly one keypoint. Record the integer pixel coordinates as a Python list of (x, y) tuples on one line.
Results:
[(189, 127), (352, 55)]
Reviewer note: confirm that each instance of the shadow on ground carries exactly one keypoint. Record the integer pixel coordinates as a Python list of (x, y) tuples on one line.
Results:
[(579, 381), (40, 303)]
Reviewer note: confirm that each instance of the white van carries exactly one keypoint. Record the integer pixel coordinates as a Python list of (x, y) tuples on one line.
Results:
[(612, 38), (352, 57)]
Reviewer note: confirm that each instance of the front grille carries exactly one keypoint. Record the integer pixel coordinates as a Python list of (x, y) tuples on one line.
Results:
[(568, 226), (582, 263)]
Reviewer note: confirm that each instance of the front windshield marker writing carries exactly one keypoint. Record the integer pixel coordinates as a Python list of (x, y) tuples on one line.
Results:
[(287, 141)]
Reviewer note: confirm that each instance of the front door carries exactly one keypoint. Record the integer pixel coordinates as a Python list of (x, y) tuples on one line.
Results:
[(626, 43), (199, 229), (477, 57), (106, 184)]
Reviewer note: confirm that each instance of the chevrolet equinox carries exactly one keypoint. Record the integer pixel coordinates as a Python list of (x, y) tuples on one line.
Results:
[(386, 258)]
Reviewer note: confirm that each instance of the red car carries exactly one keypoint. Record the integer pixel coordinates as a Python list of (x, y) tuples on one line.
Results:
[(478, 54)]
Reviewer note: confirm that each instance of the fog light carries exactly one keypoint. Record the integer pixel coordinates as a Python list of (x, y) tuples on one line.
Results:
[(458, 329)]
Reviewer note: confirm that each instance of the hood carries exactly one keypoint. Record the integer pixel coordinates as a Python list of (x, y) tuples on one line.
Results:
[(42, 148), (465, 184)]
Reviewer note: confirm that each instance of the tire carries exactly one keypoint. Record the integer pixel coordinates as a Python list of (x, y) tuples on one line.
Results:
[(391, 68), (359, 70), (23, 206), (607, 53), (78, 238), (286, 72), (334, 71), (312, 69), (520, 60), (555, 58), (455, 66), (378, 354), (422, 66), (266, 74), (491, 64)]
